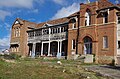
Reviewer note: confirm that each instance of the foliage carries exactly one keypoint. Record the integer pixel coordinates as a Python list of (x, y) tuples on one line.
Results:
[(12, 56)]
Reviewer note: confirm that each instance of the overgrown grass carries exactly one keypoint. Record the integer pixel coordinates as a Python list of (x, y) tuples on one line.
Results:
[(40, 68)]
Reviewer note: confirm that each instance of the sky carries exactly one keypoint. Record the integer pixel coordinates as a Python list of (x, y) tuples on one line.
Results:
[(35, 11)]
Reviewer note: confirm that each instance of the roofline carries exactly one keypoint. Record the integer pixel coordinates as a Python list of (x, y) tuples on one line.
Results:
[(115, 6), (48, 26)]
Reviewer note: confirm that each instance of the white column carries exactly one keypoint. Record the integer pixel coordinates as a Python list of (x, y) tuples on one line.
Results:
[(49, 33), (33, 49), (49, 49), (42, 49), (60, 29), (58, 47)]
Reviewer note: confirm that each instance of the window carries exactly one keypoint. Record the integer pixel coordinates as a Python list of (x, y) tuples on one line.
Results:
[(62, 29), (74, 25), (105, 42), (73, 44), (118, 44), (88, 18), (17, 32), (105, 19), (118, 19), (58, 30), (45, 31)]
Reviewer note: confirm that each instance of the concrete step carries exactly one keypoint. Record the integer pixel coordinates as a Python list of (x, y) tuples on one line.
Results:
[(118, 60)]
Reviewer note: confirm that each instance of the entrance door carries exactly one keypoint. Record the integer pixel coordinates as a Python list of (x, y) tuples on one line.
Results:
[(87, 45)]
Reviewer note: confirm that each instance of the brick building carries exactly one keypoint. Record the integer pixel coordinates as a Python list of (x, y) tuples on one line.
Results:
[(95, 29)]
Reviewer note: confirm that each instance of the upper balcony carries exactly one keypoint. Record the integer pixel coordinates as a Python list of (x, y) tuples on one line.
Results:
[(48, 37)]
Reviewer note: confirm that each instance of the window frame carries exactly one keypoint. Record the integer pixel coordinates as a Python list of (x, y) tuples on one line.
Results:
[(73, 44), (105, 17), (105, 42), (118, 21)]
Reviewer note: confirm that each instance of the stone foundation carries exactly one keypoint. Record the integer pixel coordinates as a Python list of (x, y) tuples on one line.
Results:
[(105, 59)]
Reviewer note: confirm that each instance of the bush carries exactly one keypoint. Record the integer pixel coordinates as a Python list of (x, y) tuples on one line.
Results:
[(112, 63), (12, 56)]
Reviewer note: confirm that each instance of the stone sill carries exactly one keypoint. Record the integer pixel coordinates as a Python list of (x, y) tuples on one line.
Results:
[(105, 49)]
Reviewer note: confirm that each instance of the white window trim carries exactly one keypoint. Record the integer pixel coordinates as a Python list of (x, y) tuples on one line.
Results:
[(73, 44)]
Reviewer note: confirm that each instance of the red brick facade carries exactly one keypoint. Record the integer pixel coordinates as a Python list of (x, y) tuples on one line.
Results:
[(94, 29)]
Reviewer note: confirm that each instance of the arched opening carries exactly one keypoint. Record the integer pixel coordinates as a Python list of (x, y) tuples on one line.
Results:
[(87, 45), (87, 18), (73, 21)]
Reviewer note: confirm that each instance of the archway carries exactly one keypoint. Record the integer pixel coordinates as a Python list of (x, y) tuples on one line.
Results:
[(87, 45)]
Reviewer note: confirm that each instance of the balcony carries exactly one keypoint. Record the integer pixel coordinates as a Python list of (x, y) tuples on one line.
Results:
[(57, 36)]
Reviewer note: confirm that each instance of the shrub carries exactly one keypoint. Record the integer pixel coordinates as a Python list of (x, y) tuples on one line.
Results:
[(112, 63), (12, 56)]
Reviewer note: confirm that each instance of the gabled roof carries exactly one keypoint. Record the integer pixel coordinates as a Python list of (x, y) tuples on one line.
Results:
[(104, 4), (74, 14), (54, 22), (20, 21)]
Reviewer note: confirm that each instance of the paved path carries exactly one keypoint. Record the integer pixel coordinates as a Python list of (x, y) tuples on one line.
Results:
[(111, 71)]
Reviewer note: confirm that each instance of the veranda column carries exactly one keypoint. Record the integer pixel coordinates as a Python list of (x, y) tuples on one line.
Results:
[(49, 49), (33, 49), (42, 49), (58, 47)]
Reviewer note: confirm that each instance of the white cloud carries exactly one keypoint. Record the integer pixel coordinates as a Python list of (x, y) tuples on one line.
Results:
[(35, 11), (4, 42), (3, 14), (61, 2), (17, 3), (66, 11)]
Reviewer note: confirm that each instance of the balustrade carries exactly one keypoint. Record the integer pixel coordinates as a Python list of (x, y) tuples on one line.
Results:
[(56, 36)]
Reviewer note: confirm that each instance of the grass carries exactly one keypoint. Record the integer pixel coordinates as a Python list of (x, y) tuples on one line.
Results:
[(28, 68)]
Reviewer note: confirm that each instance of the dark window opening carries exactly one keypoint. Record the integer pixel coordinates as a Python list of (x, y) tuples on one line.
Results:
[(118, 19), (105, 17), (118, 44)]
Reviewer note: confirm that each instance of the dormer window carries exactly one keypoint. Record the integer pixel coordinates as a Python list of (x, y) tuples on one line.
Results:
[(87, 18)]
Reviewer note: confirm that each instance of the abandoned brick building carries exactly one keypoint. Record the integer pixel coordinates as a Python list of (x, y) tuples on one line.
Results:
[(95, 29)]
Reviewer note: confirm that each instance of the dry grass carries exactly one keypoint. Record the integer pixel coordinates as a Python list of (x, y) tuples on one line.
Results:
[(44, 69)]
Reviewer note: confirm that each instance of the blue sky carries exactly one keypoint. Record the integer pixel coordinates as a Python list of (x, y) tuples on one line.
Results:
[(34, 11)]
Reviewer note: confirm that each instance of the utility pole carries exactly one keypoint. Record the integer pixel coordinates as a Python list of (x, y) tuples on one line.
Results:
[(78, 16)]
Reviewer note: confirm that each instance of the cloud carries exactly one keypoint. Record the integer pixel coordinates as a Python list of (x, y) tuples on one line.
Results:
[(61, 2), (35, 11), (17, 3), (3, 14), (66, 11), (4, 42)]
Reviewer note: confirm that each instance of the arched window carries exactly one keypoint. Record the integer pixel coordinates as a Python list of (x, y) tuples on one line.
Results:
[(87, 18), (87, 45)]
